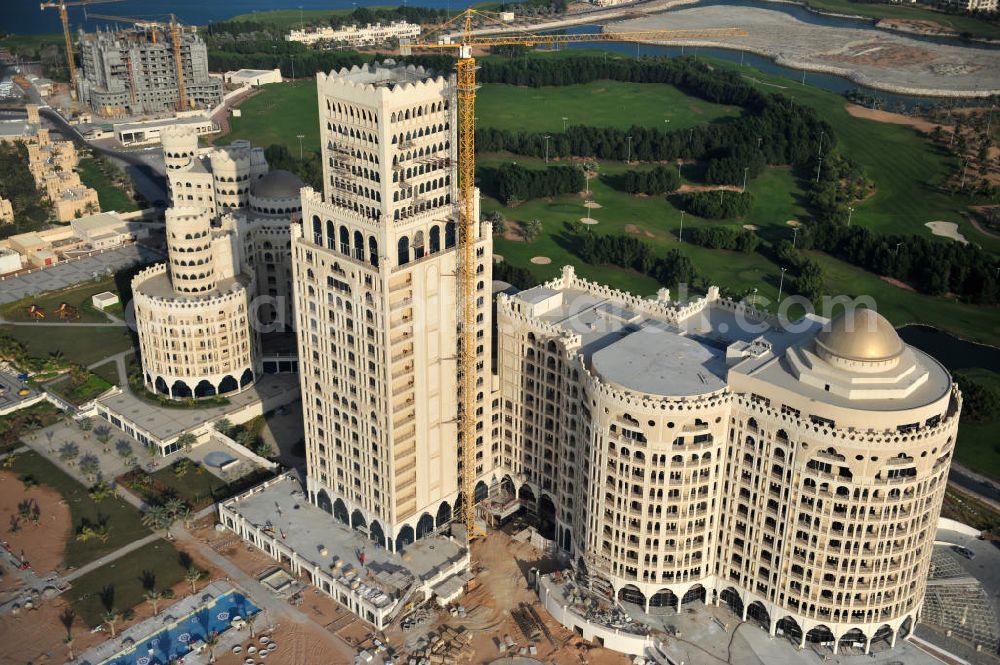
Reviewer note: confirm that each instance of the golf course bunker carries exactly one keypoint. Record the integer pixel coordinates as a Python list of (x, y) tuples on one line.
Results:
[(498, 258), (588, 220), (592, 204), (751, 227), (541, 260), (947, 230)]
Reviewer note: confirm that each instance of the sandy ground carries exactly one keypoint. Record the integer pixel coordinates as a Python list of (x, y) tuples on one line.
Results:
[(502, 586), (920, 27), (684, 189), (541, 260), (42, 544), (794, 222), (893, 118), (635, 230), (514, 231), (498, 258), (40, 634), (751, 227), (947, 230), (869, 57), (898, 284), (588, 220)]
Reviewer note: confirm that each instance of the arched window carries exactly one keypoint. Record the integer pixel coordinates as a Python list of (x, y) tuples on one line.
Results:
[(449, 235), (359, 246), (373, 251), (317, 231), (404, 250), (331, 234), (345, 241), (418, 245), (435, 239)]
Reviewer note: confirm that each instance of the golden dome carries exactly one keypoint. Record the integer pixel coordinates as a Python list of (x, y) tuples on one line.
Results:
[(860, 334)]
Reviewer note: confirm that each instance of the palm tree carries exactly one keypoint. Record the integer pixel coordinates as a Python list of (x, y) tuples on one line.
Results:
[(69, 645), (211, 641), (158, 518), (192, 576), (154, 596), (186, 441), (112, 617), (250, 621)]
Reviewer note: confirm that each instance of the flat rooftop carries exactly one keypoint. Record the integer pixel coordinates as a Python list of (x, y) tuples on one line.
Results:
[(160, 124), (309, 530), (164, 423)]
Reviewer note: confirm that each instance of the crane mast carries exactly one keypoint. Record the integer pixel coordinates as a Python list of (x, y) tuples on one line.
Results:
[(64, 17), (466, 97)]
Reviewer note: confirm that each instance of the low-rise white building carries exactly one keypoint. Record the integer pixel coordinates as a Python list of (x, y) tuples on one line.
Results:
[(148, 132), (369, 35), (10, 261), (104, 299), (243, 77)]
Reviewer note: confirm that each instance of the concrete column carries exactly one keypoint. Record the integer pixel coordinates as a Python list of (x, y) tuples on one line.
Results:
[(679, 599), (892, 642), (836, 644), (802, 641), (744, 612), (772, 628), (647, 605), (868, 645)]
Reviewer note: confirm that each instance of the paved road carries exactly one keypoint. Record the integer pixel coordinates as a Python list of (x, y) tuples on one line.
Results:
[(278, 609), (986, 489), (119, 359)]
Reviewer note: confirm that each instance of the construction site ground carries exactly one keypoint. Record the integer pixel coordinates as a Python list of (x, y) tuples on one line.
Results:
[(496, 599)]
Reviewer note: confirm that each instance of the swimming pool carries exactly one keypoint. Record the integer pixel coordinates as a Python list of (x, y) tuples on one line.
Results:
[(176, 640)]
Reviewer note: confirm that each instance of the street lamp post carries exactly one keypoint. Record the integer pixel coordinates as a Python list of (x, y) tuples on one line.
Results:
[(781, 284), (680, 236), (896, 252), (819, 155), (795, 234), (628, 159), (546, 137), (746, 169), (564, 119), (850, 212), (300, 137)]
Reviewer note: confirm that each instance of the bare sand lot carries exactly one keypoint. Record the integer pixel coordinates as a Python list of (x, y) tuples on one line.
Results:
[(874, 58)]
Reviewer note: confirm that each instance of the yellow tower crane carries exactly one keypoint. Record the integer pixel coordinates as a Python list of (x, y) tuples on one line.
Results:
[(64, 17), (175, 38), (469, 30)]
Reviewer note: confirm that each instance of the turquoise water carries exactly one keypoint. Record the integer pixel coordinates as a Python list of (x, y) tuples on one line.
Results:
[(171, 643)]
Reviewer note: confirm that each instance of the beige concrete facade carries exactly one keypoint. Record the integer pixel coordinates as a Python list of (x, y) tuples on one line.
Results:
[(692, 451), (374, 263), (6, 211), (193, 313)]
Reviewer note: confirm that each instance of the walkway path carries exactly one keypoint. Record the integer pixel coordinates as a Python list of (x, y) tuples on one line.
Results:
[(277, 609), (63, 324), (119, 360), (108, 558)]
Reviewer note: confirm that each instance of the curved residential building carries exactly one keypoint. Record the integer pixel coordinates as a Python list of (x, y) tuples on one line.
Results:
[(693, 451), (193, 312)]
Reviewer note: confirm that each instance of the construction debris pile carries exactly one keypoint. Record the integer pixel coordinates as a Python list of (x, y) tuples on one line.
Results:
[(446, 646), (594, 608)]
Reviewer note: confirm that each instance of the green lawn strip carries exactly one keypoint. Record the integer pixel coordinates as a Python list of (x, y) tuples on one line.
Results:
[(24, 421), (108, 371), (978, 447), (78, 392), (78, 295), (597, 104), (287, 19), (110, 195), (120, 584), (191, 482), (80, 344), (278, 114), (902, 306), (123, 521), (958, 22)]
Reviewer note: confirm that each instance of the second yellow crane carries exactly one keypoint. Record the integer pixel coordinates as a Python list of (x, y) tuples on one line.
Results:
[(469, 33), (64, 17)]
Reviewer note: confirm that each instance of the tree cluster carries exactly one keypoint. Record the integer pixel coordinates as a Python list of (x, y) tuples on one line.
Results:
[(980, 400), (514, 275), (309, 169), (842, 182), (628, 252), (514, 183), (806, 273), (931, 266), (31, 211), (724, 237), (659, 180), (721, 204)]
